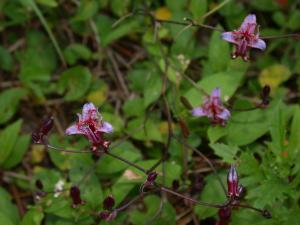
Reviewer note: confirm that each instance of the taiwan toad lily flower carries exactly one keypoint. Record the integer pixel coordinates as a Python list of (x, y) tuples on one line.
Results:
[(246, 37), (91, 125), (213, 109)]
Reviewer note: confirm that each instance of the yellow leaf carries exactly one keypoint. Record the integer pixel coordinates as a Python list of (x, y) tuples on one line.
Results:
[(130, 175), (99, 96), (38, 153), (274, 75), (163, 13)]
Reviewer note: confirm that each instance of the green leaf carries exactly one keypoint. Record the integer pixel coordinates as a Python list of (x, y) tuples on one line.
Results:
[(198, 8), (277, 130), (49, 3), (8, 138), (75, 52), (294, 140), (76, 81), (151, 132), (294, 20), (110, 165), (218, 53), (6, 59), (228, 82), (9, 101), (33, 217), (19, 150), (245, 127), (153, 88), (5, 220), (86, 10), (152, 205), (212, 193), (226, 152), (8, 208), (214, 133), (268, 192), (134, 107), (109, 34)]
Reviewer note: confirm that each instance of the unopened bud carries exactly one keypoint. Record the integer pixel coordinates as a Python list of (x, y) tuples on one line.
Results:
[(108, 202)]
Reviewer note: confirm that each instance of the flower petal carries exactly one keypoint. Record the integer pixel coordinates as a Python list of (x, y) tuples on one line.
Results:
[(198, 111), (249, 24), (225, 114), (229, 36), (73, 130), (216, 93), (89, 111), (106, 128), (260, 44)]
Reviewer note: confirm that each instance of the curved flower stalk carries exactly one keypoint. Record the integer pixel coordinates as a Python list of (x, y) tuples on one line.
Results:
[(244, 38), (91, 125), (213, 109)]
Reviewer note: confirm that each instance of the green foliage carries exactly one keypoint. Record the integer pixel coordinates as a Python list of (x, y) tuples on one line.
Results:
[(57, 55)]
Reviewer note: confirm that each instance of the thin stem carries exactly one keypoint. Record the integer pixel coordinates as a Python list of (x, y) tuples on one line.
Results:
[(48, 146), (48, 30), (190, 23), (197, 86), (297, 36), (164, 189), (141, 195), (126, 161), (215, 9), (249, 207)]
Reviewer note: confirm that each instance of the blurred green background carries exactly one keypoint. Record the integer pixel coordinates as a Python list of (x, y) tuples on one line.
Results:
[(56, 55)]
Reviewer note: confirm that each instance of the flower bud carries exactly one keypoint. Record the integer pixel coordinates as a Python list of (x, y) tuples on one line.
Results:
[(75, 195), (151, 177), (108, 202), (233, 182), (47, 125)]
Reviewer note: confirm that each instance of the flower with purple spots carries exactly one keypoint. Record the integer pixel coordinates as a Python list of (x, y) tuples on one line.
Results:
[(91, 125), (213, 108), (246, 37)]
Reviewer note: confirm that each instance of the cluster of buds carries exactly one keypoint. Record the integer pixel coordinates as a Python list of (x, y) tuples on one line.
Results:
[(75, 195)]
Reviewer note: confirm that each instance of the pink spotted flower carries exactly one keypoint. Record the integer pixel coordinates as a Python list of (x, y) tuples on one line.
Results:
[(213, 108), (90, 124), (246, 37)]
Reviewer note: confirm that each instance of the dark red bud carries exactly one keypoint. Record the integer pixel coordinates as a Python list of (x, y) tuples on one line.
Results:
[(36, 137), (175, 185), (75, 195), (108, 202), (265, 95), (224, 213), (47, 125), (233, 182), (152, 177), (39, 184), (266, 214), (108, 216)]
